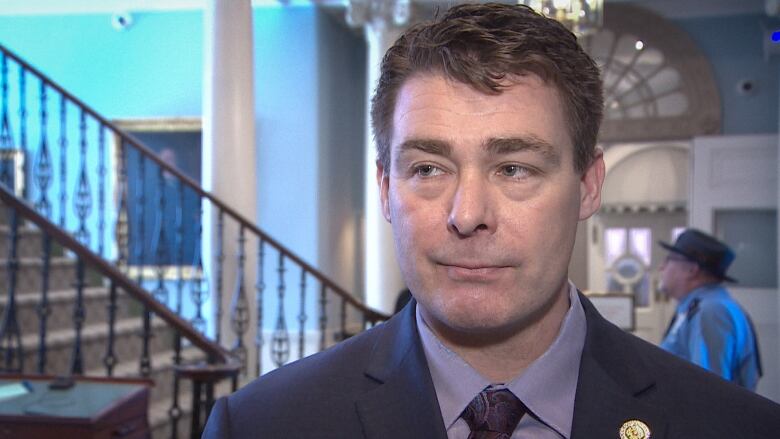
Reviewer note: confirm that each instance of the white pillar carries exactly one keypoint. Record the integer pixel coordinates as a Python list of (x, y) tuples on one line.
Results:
[(383, 279), (229, 164), (382, 22)]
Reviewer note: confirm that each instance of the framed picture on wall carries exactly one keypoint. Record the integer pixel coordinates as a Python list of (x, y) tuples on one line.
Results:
[(156, 198)]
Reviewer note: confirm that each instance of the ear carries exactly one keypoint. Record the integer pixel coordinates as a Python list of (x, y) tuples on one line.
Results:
[(693, 271), (383, 181), (590, 186)]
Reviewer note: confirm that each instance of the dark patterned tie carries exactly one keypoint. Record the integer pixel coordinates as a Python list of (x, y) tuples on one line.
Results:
[(493, 414)]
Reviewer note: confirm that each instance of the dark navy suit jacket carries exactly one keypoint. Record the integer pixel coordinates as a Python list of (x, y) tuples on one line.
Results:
[(376, 385)]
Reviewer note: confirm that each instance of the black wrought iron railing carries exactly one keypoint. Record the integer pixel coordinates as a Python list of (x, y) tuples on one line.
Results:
[(143, 219), (91, 272)]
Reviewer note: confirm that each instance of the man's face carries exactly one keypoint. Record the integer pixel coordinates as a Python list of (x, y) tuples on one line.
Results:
[(675, 272), (484, 201)]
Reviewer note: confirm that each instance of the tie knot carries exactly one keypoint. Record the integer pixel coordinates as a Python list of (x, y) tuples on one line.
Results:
[(495, 411)]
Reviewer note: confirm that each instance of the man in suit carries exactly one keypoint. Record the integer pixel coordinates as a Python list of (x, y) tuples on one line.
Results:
[(709, 328), (486, 122)]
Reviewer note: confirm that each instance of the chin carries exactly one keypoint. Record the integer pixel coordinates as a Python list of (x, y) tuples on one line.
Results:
[(476, 311)]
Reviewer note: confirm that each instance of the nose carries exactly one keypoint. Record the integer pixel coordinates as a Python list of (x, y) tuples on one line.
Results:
[(471, 210)]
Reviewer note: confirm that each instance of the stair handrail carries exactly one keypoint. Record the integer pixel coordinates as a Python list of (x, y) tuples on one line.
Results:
[(369, 314), (111, 272)]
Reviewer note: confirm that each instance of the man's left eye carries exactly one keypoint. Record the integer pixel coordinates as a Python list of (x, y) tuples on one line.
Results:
[(514, 171)]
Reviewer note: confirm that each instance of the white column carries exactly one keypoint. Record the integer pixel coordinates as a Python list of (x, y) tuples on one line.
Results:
[(229, 164), (382, 21)]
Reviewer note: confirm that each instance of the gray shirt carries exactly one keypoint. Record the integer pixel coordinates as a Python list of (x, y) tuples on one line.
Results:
[(547, 387)]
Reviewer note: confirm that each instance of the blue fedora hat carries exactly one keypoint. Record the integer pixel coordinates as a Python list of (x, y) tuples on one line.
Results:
[(709, 253)]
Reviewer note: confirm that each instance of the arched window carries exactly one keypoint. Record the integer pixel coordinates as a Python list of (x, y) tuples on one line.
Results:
[(657, 84)]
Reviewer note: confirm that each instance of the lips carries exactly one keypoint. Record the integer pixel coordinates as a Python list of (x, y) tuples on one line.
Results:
[(474, 272)]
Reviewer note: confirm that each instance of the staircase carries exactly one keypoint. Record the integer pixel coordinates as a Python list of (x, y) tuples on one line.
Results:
[(75, 244)]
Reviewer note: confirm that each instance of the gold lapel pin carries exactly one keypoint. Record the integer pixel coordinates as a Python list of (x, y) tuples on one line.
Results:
[(634, 429)]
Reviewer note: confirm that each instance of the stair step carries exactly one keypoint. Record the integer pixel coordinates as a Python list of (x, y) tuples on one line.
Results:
[(62, 274), (29, 244), (61, 305), (162, 371), (94, 343)]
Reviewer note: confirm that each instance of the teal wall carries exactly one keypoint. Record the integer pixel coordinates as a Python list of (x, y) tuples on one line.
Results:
[(151, 69), (154, 69), (735, 48)]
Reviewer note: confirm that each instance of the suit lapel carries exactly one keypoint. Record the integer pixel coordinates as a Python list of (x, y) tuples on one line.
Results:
[(611, 385), (404, 403)]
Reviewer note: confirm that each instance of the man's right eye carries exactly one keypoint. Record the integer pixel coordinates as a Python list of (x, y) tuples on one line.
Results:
[(427, 171)]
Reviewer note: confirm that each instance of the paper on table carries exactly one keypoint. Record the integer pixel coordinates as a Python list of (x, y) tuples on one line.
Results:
[(12, 390)]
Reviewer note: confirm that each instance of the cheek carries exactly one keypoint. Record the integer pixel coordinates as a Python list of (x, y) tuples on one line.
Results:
[(416, 224)]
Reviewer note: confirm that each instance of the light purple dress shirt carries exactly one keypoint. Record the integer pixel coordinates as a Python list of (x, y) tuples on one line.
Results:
[(547, 387)]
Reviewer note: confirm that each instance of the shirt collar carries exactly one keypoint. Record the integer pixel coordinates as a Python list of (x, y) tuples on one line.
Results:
[(547, 387), (699, 293)]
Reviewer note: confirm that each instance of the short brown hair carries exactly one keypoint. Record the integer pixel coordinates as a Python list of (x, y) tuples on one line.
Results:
[(481, 45)]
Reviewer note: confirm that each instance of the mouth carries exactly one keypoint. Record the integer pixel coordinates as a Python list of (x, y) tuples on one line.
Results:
[(481, 273)]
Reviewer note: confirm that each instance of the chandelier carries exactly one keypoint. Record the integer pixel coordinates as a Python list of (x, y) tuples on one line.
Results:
[(580, 16)]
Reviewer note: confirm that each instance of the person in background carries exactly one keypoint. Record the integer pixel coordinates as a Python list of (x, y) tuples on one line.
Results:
[(709, 327)]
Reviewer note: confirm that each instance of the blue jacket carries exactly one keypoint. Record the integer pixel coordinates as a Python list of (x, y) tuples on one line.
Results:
[(711, 330)]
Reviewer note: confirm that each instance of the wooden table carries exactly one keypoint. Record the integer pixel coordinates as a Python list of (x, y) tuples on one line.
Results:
[(94, 408)]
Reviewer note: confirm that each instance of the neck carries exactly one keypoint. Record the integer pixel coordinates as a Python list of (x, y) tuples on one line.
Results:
[(696, 284), (501, 356)]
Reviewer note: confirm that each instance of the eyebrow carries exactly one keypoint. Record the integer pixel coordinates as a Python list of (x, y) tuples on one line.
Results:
[(430, 146), (497, 146), (501, 146)]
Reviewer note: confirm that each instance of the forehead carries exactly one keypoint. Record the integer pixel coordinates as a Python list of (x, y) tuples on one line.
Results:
[(430, 106)]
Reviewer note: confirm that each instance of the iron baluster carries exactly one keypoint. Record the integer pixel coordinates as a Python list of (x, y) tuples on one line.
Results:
[(101, 189), (197, 404), (110, 359), (302, 315), (23, 129), (44, 308), (146, 335), (145, 366), (63, 158), (180, 248), (199, 288), (280, 342), (10, 333), (43, 168), (343, 319), (174, 413), (259, 290), (140, 244), (79, 315), (220, 265), (122, 222), (323, 314), (161, 292), (83, 200), (239, 308), (198, 294), (6, 137)]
